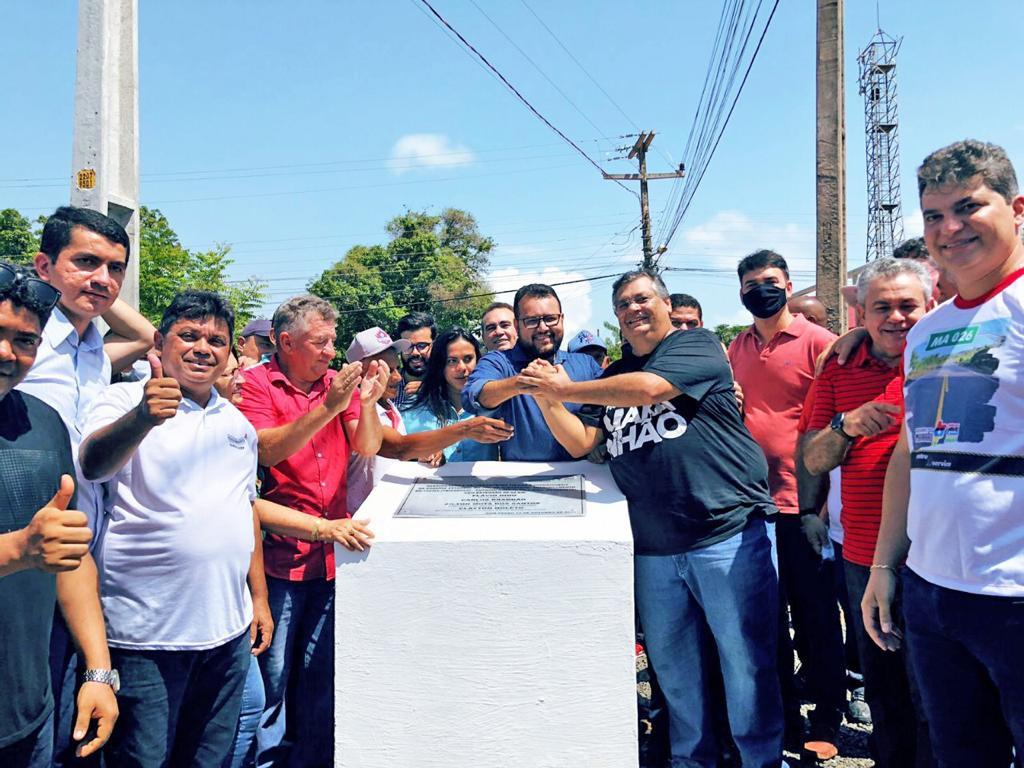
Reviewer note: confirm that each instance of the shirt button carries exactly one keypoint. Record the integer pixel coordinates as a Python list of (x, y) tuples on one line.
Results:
[(319, 455), (323, 484)]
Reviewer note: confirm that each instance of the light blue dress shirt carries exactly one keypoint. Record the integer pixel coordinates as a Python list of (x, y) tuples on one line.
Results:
[(69, 374)]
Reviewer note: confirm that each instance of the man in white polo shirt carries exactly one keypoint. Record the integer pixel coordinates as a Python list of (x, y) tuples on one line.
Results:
[(180, 461)]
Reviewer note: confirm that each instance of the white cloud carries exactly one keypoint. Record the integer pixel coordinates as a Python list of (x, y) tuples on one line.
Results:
[(728, 236), (913, 224), (577, 304), (428, 150)]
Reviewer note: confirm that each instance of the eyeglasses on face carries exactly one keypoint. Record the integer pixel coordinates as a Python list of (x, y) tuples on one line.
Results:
[(534, 322), (41, 292), (420, 346), (641, 300)]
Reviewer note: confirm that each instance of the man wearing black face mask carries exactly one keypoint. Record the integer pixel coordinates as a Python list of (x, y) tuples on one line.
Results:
[(773, 361)]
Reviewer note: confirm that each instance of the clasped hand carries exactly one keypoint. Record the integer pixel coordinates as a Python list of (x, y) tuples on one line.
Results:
[(543, 380)]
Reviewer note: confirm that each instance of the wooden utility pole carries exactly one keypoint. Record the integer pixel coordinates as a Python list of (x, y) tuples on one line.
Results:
[(831, 164), (639, 151)]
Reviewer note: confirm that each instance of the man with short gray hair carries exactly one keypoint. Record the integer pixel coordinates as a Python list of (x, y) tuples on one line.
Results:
[(308, 419), (855, 422)]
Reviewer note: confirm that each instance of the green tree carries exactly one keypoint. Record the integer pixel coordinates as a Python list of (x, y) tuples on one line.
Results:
[(432, 263), (18, 241), (166, 267), (726, 333), (614, 340)]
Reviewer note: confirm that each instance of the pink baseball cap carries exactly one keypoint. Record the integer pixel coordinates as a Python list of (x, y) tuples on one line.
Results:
[(373, 341)]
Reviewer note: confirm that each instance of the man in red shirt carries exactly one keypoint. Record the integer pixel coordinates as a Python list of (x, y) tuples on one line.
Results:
[(855, 422), (773, 361), (308, 419)]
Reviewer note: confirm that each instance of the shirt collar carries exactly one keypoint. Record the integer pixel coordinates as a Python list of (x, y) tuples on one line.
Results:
[(862, 358), (277, 376), (215, 403), (59, 329)]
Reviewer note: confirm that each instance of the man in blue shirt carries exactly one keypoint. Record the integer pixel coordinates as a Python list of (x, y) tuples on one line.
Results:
[(494, 388)]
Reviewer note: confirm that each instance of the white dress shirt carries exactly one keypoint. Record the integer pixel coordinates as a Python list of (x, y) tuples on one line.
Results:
[(69, 373)]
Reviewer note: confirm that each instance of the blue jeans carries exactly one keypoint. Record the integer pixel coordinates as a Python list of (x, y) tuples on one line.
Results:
[(33, 751), (243, 749), (729, 588), (178, 708), (965, 653), (298, 672)]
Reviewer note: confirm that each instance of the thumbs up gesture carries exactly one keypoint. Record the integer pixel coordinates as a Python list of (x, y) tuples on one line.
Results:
[(57, 538), (161, 396)]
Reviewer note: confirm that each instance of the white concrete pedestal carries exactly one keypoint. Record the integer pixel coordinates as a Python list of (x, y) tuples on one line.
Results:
[(498, 642)]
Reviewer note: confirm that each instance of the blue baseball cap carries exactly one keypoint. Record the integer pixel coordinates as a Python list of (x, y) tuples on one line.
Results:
[(585, 339)]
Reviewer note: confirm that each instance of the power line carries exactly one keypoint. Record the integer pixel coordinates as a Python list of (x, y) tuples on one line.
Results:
[(517, 94)]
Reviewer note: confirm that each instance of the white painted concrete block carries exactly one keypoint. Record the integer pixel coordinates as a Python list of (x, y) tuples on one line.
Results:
[(498, 642)]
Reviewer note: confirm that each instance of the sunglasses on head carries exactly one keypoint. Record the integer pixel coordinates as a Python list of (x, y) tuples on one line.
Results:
[(41, 292)]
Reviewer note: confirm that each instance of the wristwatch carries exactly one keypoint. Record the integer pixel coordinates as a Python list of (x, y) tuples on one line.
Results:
[(106, 676), (837, 426)]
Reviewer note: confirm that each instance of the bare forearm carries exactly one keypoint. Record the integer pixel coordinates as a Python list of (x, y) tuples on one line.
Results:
[(131, 335), (572, 434), (494, 393), (624, 390), (257, 576), (893, 542), (12, 553), (367, 437), (78, 594), (811, 490), (108, 449), (420, 445), (279, 443), (824, 450), (285, 521)]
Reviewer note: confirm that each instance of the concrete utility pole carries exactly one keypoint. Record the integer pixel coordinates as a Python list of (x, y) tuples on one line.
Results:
[(831, 164), (639, 150), (105, 148)]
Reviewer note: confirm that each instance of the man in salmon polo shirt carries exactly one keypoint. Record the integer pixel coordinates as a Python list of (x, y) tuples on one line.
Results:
[(308, 420), (855, 423), (773, 361), (952, 505)]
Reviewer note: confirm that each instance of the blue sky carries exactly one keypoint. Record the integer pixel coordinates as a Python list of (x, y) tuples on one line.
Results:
[(295, 130)]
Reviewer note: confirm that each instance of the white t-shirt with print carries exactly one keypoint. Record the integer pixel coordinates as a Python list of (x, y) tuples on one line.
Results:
[(964, 392)]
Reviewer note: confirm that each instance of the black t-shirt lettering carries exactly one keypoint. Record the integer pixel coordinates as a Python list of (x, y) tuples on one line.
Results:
[(691, 472)]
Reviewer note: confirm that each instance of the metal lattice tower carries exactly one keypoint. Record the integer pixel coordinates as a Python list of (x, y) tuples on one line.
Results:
[(881, 126)]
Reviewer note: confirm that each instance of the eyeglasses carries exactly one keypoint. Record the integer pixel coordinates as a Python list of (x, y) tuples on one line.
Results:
[(39, 291), (420, 346), (534, 322), (641, 300)]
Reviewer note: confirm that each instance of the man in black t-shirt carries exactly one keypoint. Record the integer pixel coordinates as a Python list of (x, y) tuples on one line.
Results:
[(697, 488), (39, 537)]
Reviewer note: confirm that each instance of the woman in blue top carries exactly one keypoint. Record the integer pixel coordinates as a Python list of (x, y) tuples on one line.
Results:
[(453, 357)]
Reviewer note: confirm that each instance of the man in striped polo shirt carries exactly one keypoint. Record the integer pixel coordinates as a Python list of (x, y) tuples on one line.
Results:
[(856, 420)]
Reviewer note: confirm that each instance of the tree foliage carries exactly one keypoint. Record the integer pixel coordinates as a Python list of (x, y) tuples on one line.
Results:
[(19, 242), (726, 333), (166, 267), (432, 263), (613, 340)]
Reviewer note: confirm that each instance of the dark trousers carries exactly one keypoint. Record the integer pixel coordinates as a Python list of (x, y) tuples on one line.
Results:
[(64, 675), (808, 585), (899, 736), (966, 652), (850, 640), (178, 708)]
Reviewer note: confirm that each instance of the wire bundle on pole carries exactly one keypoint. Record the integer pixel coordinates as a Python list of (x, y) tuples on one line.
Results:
[(734, 52)]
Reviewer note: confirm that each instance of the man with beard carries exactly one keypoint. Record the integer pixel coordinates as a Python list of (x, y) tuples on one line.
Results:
[(498, 327), (419, 329), (495, 388), (703, 567)]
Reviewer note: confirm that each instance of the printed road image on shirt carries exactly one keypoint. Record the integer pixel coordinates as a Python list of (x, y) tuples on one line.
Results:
[(950, 381)]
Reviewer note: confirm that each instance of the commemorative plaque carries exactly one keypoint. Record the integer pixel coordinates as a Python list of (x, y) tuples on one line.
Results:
[(542, 496)]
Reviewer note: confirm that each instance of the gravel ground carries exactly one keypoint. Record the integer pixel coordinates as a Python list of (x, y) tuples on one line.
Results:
[(852, 742)]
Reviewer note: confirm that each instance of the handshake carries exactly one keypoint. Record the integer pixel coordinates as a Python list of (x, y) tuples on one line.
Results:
[(543, 381)]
